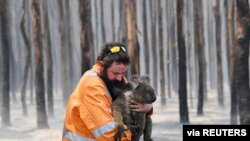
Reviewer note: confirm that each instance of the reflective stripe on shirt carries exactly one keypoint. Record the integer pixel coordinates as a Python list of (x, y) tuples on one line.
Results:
[(104, 129), (90, 73), (75, 137)]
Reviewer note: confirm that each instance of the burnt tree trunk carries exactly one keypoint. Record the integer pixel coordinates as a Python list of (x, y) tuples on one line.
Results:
[(152, 8), (183, 106), (161, 51), (169, 48), (42, 121), (241, 62), (27, 65), (199, 45), (5, 48), (230, 55), (133, 48), (49, 60), (113, 20), (102, 22), (123, 32), (62, 30), (218, 53), (86, 34), (145, 35)]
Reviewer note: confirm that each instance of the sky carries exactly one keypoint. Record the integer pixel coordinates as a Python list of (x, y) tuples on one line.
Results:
[(166, 126)]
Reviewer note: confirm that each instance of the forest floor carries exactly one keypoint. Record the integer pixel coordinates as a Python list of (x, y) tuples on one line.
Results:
[(166, 125)]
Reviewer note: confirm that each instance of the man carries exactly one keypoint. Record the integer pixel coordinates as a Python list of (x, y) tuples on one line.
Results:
[(88, 114)]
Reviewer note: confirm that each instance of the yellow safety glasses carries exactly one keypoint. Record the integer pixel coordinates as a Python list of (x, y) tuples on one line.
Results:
[(117, 49)]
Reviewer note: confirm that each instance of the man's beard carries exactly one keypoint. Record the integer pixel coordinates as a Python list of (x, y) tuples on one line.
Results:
[(114, 86)]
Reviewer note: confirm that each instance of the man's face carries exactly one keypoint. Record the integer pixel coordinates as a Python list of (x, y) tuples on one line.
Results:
[(116, 71), (114, 76)]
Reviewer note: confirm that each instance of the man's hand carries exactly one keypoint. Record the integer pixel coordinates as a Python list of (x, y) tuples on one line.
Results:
[(139, 107)]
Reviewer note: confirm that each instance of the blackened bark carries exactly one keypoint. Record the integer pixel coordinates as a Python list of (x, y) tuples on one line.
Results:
[(42, 121), (231, 44), (183, 107), (162, 63), (199, 45), (123, 32), (102, 22), (218, 53), (113, 20), (62, 30), (145, 36), (86, 34), (27, 61), (133, 46), (152, 8), (241, 61), (5, 48), (49, 60)]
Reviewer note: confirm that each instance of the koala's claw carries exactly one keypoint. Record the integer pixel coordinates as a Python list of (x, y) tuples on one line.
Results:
[(119, 133)]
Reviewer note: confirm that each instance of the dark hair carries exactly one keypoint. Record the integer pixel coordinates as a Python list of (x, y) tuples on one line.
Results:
[(108, 57)]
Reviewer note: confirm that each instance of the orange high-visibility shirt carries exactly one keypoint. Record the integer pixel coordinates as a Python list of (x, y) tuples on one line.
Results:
[(88, 115)]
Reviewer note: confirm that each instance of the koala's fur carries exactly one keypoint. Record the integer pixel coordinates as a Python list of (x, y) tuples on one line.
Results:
[(137, 122)]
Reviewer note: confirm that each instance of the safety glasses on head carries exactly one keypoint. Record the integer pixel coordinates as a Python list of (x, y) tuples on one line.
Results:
[(117, 49)]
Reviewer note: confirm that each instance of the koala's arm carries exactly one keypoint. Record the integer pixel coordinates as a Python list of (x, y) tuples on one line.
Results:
[(117, 114), (121, 128)]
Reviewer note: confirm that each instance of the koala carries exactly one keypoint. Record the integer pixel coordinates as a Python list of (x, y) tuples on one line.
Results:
[(137, 122), (148, 126)]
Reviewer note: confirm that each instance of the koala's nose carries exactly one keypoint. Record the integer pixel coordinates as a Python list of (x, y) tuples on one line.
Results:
[(154, 98), (151, 98)]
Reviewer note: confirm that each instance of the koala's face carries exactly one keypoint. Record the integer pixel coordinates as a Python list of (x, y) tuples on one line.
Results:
[(144, 93)]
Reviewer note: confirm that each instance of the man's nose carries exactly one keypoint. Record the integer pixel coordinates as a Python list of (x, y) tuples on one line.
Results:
[(119, 77)]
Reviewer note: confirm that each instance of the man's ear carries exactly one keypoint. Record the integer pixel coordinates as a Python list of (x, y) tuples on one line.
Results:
[(101, 64)]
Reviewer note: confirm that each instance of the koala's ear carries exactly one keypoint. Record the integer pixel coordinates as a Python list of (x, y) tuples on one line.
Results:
[(139, 83), (135, 79), (145, 78)]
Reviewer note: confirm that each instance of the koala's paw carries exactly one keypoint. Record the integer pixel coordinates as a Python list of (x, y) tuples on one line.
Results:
[(119, 133), (148, 139)]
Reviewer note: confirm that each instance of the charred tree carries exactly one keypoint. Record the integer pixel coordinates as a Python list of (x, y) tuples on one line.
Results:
[(218, 53), (241, 62), (42, 121), (152, 9), (86, 34), (113, 20), (102, 22), (183, 106), (62, 30), (169, 48), (145, 35), (162, 72), (123, 32), (49, 60), (231, 47), (199, 45), (5, 67), (27, 65), (133, 46)]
